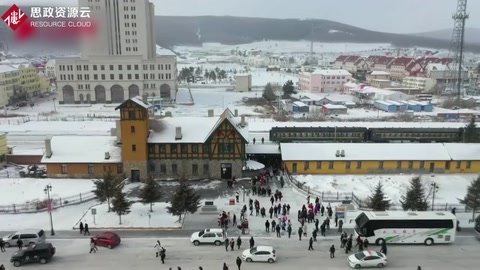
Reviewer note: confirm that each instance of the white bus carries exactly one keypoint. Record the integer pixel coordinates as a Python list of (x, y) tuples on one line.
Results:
[(477, 226), (400, 227), (425, 97)]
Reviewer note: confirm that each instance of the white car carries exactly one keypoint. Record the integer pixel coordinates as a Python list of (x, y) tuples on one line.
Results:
[(260, 254), (367, 258), (209, 236)]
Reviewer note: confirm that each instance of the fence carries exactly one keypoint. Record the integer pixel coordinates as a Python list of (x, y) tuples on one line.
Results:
[(19, 120), (9, 174), (42, 205), (361, 204)]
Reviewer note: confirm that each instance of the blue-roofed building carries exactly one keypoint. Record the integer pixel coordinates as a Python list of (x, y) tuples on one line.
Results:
[(385, 106), (412, 106)]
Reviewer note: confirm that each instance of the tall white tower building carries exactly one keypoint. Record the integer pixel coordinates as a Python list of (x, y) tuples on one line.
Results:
[(121, 61)]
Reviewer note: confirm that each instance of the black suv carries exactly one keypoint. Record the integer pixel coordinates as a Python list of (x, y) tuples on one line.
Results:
[(41, 252)]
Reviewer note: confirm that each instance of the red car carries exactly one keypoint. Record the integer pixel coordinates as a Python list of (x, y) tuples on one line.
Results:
[(107, 239)]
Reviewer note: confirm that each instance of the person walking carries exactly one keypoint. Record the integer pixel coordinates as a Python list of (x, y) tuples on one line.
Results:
[(158, 248), (277, 228), (267, 226), (227, 244), (289, 230), (2, 245), (340, 225), (314, 234), (232, 244), (348, 246), (86, 229), (81, 227), (2, 267), (365, 243), (93, 246), (384, 248), (163, 254), (310, 244), (19, 244), (332, 252), (252, 242), (225, 267), (239, 242), (239, 262), (300, 232)]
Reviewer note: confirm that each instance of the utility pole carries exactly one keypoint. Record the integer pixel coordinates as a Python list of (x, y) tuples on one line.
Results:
[(47, 190), (434, 190)]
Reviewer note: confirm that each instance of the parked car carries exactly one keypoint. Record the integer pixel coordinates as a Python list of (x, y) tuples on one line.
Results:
[(260, 254), (367, 258), (35, 253), (107, 239), (28, 237), (22, 104), (208, 236)]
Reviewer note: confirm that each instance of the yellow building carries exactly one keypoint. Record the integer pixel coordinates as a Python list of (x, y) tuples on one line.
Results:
[(3, 148), (9, 79), (29, 80), (192, 147), (375, 158), (82, 156)]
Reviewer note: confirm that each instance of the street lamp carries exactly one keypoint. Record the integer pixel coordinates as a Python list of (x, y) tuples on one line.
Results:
[(434, 187), (54, 106), (243, 191), (47, 190)]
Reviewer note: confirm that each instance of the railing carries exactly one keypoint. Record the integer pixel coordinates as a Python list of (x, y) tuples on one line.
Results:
[(19, 120), (359, 203), (42, 205)]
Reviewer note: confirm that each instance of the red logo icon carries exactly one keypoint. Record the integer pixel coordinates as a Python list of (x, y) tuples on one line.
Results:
[(14, 17)]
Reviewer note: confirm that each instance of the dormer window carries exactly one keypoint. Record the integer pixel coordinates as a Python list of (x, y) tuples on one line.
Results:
[(131, 115)]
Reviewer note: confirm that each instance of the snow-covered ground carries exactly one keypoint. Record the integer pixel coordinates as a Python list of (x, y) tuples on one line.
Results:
[(22, 190), (451, 186)]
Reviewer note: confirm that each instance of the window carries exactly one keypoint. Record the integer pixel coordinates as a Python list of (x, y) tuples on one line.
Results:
[(102, 67), (129, 67), (195, 148), (206, 149), (91, 169), (112, 77), (173, 148), (132, 129), (410, 164), (163, 168), (319, 164), (174, 169), (151, 167), (184, 148), (306, 165), (64, 169), (294, 167), (136, 67), (85, 67), (151, 149), (131, 115), (94, 67), (111, 67), (359, 164), (163, 148), (459, 164), (194, 169), (469, 164), (119, 168), (119, 67), (330, 165), (399, 164), (347, 165), (206, 169), (134, 147), (129, 76), (137, 77), (380, 164), (103, 76), (226, 148), (120, 76), (422, 164)]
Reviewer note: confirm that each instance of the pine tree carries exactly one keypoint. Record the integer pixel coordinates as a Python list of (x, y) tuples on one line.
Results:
[(377, 200), (470, 135), (415, 199), (184, 201), (472, 199), (151, 192), (107, 187), (121, 205), (288, 88)]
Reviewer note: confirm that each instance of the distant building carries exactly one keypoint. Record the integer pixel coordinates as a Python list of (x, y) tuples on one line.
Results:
[(242, 83), (398, 67), (423, 83), (380, 83), (382, 94), (349, 86), (9, 79), (3, 148), (300, 107), (324, 81), (378, 75), (334, 109)]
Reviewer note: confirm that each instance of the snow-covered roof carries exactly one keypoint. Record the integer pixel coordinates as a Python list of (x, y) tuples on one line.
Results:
[(437, 66), (364, 151), (350, 84), (299, 104), (375, 90), (335, 107), (463, 151), (259, 148), (331, 97), (138, 100), (254, 165), (83, 149), (194, 129), (7, 68), (15, 61), (332, 72), (378, 72), (262, 126)]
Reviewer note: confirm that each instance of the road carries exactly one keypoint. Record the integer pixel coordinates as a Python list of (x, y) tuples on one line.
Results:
[(73, 254)]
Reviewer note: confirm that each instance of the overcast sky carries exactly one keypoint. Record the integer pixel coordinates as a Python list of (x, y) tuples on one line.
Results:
[(396, 16)]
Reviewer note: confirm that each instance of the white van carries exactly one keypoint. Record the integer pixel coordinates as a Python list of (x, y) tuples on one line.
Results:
[(28, 237), (209, 236)]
